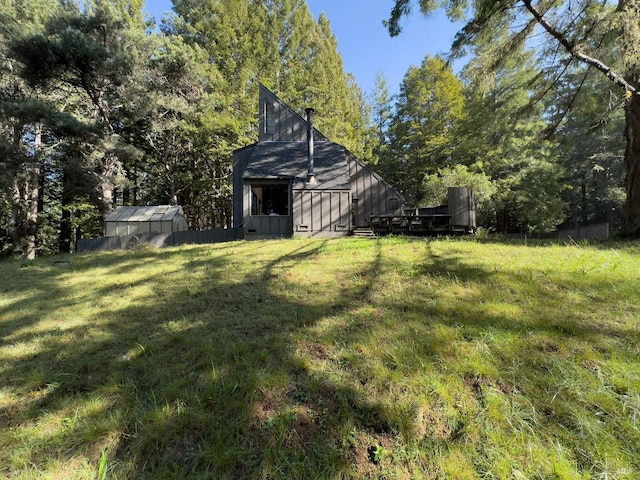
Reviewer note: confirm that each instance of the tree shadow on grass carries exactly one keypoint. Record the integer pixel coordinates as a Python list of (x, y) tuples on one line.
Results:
[(225, 371), (195, 379), (519, 334)]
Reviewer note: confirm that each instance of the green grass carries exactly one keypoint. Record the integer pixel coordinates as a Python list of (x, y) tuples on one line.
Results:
[(352, 358)]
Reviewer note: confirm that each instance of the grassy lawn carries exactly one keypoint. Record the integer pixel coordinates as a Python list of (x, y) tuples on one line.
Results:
[(352, 358)]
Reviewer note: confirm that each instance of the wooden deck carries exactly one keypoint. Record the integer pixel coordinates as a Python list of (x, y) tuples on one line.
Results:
[(416, 224)]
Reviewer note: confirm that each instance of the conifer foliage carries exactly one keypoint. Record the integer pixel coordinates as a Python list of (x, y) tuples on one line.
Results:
[(427, 111), (101, 107), (566, 36)]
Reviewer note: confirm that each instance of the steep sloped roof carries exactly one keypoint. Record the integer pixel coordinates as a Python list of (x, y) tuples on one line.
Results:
[(289, 160), (153, 213)]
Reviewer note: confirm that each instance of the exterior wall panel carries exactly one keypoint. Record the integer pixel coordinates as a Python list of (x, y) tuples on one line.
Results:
[(240, 159), (373, 194), (316, 211), (307, 210), (334, 207), (288, 126), (267, 226), (323, 213), (297, 211)]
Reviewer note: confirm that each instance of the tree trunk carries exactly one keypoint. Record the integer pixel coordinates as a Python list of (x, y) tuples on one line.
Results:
[(64, 240), (34, 194), (632, 167), (108, 197), (584, 205), (64, 243), (126, 196), (135, 184), (14, 229), (501, 221), (14, 221)]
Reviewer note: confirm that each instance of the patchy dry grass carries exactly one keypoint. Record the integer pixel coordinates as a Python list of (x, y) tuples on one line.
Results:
[(392, 358)]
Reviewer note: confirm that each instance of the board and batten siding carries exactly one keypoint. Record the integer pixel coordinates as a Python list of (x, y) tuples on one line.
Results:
[(373, 194), (321, 213), (279, 122), (266, 226)]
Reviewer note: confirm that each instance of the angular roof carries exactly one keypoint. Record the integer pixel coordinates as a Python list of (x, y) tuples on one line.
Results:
[(153, 213), (289, 160)]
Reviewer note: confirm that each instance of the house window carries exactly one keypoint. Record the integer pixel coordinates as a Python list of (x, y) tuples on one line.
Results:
[(394, 204), (269, 119), (270, 199)]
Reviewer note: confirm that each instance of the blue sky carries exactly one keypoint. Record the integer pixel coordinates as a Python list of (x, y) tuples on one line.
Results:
[(363, 41)]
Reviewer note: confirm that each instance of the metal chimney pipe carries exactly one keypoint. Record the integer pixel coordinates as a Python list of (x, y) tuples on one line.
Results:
[(310, 175)]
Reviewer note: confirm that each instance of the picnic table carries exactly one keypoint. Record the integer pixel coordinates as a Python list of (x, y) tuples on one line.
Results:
[(411, 223)]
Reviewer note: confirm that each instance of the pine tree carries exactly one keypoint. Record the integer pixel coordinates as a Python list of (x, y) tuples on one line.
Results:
[(588, 137), (585, 32), (22, 125), (89, 57), (428, 108), (501, 137)]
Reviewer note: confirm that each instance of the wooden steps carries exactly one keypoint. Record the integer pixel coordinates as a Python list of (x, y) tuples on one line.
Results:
[(363, 232)]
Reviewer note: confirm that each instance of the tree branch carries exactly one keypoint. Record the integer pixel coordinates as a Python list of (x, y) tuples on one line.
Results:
[(400, 9), (574, 52), (552, 128)]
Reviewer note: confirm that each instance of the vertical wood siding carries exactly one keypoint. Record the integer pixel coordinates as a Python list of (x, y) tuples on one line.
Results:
[(372, 192), (321, 212), (287, 125), (268, 226)]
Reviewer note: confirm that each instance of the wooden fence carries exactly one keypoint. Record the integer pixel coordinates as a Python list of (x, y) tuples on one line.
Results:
[(598, 231), (159, 239)]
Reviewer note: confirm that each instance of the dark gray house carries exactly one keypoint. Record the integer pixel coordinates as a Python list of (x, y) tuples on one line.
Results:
[(296, 181)]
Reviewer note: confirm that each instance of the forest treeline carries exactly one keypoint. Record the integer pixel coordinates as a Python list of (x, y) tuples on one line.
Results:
[(101, 106)]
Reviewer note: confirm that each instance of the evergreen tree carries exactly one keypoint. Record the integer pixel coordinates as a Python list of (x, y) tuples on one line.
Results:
[(382, 106), (428, 108), (590, 148), (88, 56), (188, 135), (23, 119), (585, 32), (501, 138), (231, 32), (88, 53)]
